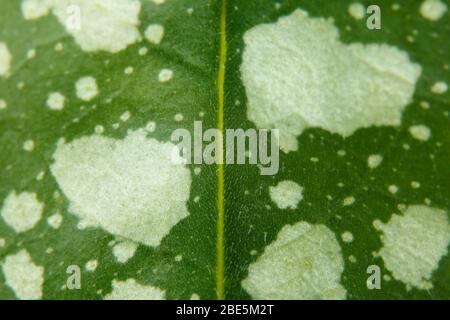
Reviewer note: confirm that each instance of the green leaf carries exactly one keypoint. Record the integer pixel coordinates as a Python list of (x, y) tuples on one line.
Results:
[(88, 189)]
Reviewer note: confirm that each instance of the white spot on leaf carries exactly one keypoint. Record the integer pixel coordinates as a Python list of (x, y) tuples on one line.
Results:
[(292, 86), (5, 60), (131, 290), (154, 33), (356, 10), (420, 132), (413, 244), (287, 194), (374, 161), (55, 101), (55, 220), (304, 262), (131, 187), (23, 276), (22, 212), (165, 75), (439, 87), (124, 250), (433, 9), (86, 88), (91, 265), (108, 25)]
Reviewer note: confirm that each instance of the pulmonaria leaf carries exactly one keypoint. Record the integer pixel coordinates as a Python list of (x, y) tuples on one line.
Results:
[(135, 161)]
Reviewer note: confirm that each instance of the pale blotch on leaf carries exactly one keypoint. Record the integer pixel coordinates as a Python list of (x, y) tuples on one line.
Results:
[(420, 132), (348, 201), (55, 101), (414, 243), (91, 265), (131, 290), (28, 145), (31, 54), (23, 276), (86, 88), (393, 189), (124, 250), (96, 25), (125, 116), (55, 220), (150, 127), (5, 60), (165, 75), (357, 10), (298, 74), (439, 87), (3, 104), (347, 236), (304, 262), (374, 161), (433, 9), (22, 211), (33, 9), (132, 188), (287, 194), (128, 70), (154, 33)]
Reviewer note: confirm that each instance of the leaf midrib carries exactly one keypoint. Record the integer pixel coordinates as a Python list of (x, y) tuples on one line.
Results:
[(220, 251)]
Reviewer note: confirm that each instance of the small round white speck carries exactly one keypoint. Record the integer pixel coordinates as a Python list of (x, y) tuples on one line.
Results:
[(348, 201), (432, 9), (393, 189), (55, 220), (3, 104), (347, 236), (178, 258), (86, 88), (178, 117), (425, 105), (439, 87), (356, 10), (165, 75), (59, 46), (395, 6), (151, 126), (129, 70), (28, 145), (374, 161), (91, 265), (99, 129), (55, 101), (125, 116), (415, 184), (40, 176), (143, 51), (420, 132), (154, 33), (31, 53)]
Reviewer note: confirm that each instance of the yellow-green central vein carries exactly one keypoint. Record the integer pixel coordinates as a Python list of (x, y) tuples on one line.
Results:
[(220, 263)]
